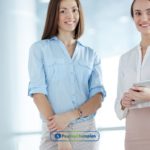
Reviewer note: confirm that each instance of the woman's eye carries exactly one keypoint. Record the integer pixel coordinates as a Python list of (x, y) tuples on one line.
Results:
[(75, 10), (62, 11), (137, 13)]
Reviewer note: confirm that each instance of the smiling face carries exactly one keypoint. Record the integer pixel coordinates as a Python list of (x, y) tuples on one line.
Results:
[(68, 16), (141, 16)]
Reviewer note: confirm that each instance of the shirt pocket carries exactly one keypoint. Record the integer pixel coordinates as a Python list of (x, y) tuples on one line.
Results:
[(85, 70), (57, 71), (86, 65), (61, 70)]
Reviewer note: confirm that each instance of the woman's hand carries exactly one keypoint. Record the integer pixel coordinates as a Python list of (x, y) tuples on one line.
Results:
[(64, 145), (126, 100), (58, 122), (61, 121), (140, 93)]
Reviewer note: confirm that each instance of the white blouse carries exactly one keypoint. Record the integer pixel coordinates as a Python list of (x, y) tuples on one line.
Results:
[(132, 70)]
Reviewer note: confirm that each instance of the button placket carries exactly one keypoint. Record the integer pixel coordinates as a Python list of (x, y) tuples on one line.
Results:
[(73, 82)]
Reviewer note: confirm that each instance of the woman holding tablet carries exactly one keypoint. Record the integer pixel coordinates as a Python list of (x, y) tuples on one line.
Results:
[(142, 94), (133, 102)]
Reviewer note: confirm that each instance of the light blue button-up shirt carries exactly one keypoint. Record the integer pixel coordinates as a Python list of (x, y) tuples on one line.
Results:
[(68, 82)]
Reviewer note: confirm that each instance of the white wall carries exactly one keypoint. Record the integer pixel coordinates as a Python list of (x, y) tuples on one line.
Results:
[(17, 31)]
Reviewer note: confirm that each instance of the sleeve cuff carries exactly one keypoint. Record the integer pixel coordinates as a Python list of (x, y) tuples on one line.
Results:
[(96, 90), (121, 113), (37, 90)]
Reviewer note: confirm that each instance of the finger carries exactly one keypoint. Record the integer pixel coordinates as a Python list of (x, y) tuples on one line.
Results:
[(127, 102), (128, 96), (134, 95), (59, 129), (51, 118), (51, 123), (52, 126), (131, 90), (138, 88), (127, 105), (53, 129), (127, 99), (126, 93)]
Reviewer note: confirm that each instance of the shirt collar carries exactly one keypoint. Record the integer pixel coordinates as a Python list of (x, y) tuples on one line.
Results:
[(54, 38), (60, 43)]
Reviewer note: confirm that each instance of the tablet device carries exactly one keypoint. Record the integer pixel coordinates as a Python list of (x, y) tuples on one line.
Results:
[(143, 83)]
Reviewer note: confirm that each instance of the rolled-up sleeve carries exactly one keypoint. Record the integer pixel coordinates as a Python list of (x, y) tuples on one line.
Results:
[(95, 82), (37, 82)]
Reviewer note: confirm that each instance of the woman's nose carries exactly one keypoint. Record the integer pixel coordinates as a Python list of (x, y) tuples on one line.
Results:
[(145, 17), (69, 14)]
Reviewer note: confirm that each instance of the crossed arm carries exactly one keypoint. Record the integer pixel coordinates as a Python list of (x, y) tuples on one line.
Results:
[(61, 121)]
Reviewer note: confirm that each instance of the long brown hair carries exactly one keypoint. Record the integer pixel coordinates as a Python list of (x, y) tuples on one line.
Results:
[(131, 10), (51, 24)]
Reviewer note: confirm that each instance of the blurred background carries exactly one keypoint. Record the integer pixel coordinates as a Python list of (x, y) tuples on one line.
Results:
[(109, 30)]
